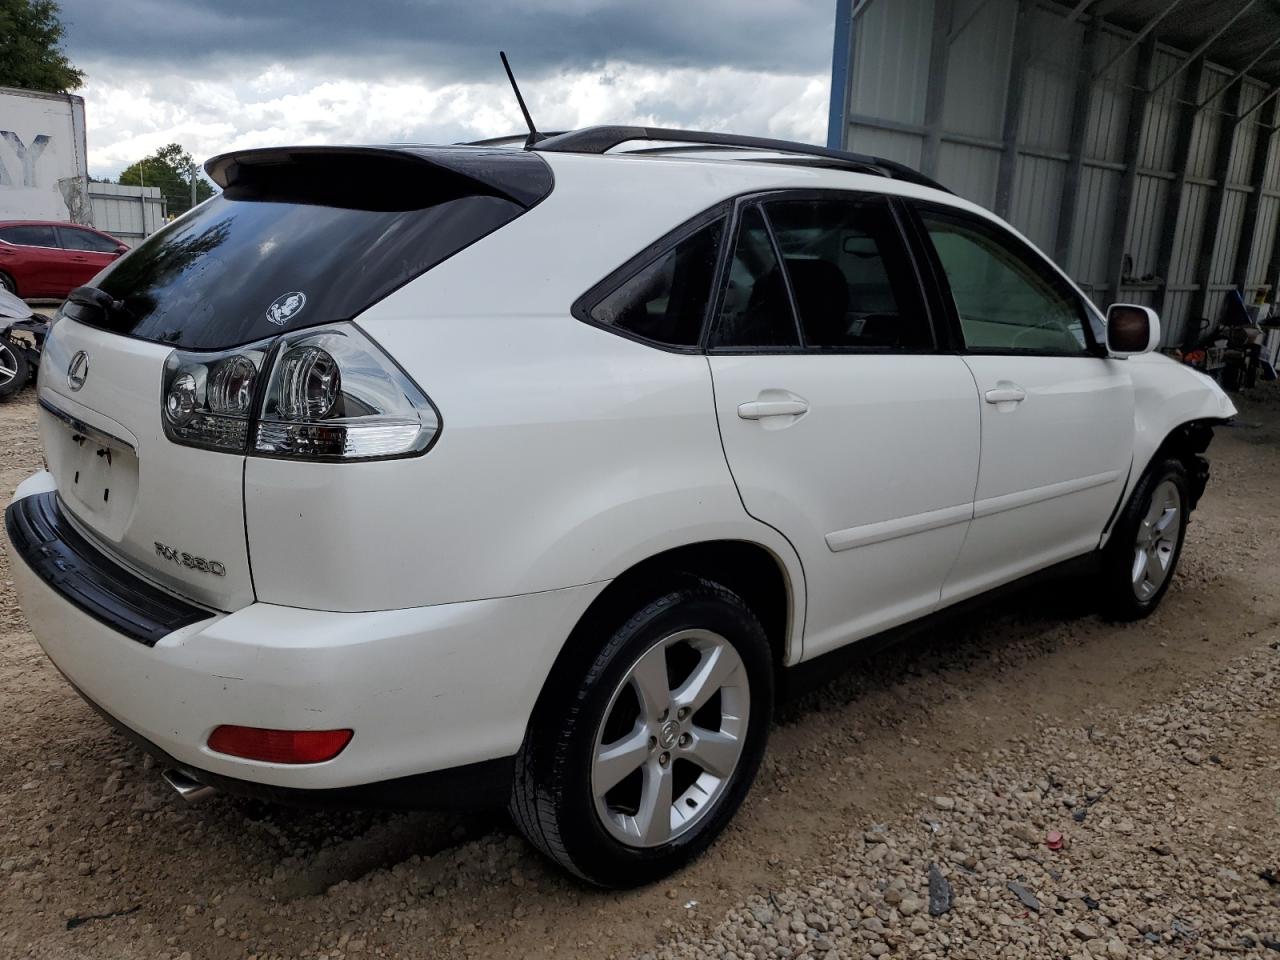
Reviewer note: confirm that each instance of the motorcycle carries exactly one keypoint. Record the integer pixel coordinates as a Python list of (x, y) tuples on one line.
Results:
[(22, 337)]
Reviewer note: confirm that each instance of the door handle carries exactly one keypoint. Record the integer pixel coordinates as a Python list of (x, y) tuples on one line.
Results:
[(759, 409), (1008, 393)]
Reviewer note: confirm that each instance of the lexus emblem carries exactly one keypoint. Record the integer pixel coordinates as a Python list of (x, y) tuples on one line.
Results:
[(78, 370), (284, 307)]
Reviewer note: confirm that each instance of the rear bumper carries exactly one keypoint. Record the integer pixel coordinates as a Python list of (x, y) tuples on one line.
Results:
[(425, 689)]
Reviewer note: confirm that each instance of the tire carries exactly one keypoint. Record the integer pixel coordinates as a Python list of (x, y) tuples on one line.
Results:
[(1163, 487), (592, 723), (7, 283), (14, 369)]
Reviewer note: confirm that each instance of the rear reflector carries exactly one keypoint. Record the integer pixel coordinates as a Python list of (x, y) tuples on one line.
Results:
[(279, 746)]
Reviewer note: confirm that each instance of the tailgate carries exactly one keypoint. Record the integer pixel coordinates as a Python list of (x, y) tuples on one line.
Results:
[(173, 514)]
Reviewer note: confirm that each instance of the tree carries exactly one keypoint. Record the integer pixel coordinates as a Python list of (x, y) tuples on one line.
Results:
[(31, 54), (170, 168)]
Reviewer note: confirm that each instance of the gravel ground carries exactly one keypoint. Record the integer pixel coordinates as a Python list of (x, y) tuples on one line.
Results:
[(1151, 749)]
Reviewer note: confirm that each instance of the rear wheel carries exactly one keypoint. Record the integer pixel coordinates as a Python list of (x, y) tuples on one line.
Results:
[(1144, 549), (14, 369), (641, 751)]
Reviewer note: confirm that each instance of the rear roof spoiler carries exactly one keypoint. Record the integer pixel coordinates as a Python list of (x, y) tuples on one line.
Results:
[(521, 177)]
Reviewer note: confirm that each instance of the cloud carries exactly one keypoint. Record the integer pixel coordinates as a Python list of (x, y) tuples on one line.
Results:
[(457, 38), (215, 75), (136, 111)]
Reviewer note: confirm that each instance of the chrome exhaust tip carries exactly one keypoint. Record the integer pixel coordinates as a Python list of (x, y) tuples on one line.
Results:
[(190, 790)]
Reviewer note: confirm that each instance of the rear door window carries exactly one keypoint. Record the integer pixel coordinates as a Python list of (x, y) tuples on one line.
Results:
[(73, 239), (851, 277), (29, 236), (755, 311)]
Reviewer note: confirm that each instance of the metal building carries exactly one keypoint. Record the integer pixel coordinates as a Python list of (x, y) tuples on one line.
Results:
[(1132, 140), (128, 213)]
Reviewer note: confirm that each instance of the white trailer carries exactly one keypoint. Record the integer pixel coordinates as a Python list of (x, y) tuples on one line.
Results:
[(43, 163)]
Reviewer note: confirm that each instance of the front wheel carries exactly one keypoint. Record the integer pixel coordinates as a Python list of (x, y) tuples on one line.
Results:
[(642, 750), (1143, 551)]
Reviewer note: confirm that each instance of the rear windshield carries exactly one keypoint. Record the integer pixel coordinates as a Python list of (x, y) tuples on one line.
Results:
[(302, 244)]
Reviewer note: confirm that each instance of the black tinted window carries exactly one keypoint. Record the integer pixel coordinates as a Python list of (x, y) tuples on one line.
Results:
[(755, 311), (851, 278), (329, 233), (666, 300), (29, 236), (73, 239)]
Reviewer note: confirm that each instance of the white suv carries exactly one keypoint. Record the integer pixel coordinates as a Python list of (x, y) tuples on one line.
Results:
[(428, 474)]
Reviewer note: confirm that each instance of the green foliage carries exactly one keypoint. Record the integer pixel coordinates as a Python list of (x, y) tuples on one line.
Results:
[(170, 169), (30, 48)]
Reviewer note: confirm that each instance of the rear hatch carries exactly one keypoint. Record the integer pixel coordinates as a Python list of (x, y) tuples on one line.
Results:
[(299, 237)]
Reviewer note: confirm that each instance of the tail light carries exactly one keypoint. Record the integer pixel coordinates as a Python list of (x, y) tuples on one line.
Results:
[(328, 393)]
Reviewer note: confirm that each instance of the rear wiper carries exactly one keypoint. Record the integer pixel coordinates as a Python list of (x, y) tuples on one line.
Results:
[(96, 300)]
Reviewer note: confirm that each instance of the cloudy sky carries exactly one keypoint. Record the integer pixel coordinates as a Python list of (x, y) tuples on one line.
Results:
[(218, 74)]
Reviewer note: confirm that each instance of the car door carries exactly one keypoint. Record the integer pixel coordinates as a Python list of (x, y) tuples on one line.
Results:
[(844, 427), (86, 254), (31, 255), (1057, 413)]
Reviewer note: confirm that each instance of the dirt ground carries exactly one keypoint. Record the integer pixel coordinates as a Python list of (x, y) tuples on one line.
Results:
[(98, 859)]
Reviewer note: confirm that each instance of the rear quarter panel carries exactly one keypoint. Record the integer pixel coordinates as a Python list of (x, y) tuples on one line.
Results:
[(566, 453)]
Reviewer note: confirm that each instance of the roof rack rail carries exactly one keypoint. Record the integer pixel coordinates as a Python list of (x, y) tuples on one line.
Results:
[(604, 138)]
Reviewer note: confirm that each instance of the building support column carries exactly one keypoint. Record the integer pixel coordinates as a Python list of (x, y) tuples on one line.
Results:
[(1018, 62), (936, 87), (1081, 106), (1257, 178), (1119, 244), (1211, 236), (841, 77), (1171, 224)]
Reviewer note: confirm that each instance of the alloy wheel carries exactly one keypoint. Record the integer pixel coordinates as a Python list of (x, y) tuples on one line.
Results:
[(671, 738), (1157, 541), (8, 364)]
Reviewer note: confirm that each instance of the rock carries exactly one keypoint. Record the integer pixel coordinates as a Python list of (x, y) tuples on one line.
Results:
[(939, 892), (1116, 950), (1193, 757), (910, 906), (1084, 931), (919, 926), (878, 949), (1026, 896), (763, 915), (944, 803)]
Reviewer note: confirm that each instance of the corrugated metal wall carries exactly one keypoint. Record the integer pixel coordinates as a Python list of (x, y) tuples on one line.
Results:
[(128, 213), (1162, 177)]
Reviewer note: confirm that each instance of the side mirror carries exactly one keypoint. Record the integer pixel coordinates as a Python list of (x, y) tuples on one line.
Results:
[(1131, 329), (122, 249)]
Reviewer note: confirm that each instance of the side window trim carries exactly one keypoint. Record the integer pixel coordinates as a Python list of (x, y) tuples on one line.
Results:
[(936, 312), (786, 274), (933, 280), (1037, 261), (598, 291)]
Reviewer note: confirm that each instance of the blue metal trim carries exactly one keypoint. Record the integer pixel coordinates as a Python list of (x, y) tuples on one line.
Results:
[(841, 64)]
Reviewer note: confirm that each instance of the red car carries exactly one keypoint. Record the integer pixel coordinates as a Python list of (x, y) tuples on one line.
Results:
[(42, 260)]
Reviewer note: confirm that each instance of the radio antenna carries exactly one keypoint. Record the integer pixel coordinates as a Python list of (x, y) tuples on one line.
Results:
[(534, 135)]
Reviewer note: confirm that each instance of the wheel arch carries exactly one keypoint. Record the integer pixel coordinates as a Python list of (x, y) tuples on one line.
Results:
[(770, 587)]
